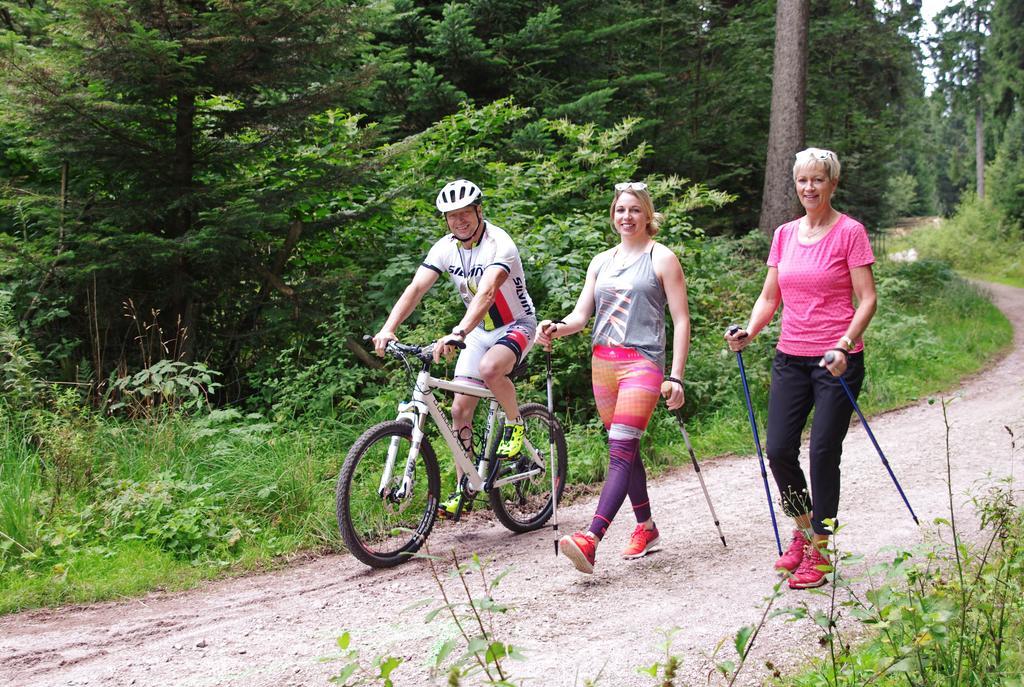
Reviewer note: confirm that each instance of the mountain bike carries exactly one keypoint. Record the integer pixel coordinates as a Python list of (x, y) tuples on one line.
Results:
[(389, 486)]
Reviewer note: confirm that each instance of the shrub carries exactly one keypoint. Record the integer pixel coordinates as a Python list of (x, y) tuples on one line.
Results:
[(978, 240)]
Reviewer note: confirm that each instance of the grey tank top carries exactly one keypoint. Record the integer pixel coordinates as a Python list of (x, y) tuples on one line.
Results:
[(629, 304)]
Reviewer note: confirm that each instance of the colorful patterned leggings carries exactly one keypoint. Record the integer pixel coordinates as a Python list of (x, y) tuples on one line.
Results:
[(626, 388)]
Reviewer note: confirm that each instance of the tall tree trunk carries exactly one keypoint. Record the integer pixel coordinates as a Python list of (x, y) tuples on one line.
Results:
[(788, 115), (182, 314), (979, 146)]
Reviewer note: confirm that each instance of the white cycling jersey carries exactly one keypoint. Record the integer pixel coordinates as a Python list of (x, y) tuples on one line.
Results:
[(495, 249)]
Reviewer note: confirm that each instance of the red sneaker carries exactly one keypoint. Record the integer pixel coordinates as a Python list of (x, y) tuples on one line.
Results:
[(642, 542), (580, 548), (812, 570), (790, 560)]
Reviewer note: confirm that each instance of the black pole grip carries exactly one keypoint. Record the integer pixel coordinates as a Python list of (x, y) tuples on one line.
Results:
[(733, 328)]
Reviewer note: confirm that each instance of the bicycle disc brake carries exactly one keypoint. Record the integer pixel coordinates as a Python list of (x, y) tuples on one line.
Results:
[(393, 503)]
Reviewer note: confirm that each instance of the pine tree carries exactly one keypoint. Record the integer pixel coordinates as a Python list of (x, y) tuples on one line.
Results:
[(959, 53), (179, 123)]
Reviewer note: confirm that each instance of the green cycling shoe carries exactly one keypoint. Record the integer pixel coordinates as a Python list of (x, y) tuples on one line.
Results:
[(511, 442)]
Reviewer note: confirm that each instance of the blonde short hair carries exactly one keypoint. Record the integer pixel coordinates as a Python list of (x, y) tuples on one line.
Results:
[(818, 157), (638, 190)]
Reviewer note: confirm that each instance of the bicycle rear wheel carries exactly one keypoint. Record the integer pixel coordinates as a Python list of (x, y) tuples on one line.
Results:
[(384, 530), (525, 504)]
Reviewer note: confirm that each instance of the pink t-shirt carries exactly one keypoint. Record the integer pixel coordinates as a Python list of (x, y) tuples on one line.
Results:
[(817, 291)]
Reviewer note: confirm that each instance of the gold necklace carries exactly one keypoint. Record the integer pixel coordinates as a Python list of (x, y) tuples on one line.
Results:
[(812, 234), (808, 234)]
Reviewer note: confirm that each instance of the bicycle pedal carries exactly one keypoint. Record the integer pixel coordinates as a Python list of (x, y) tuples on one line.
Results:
[(465, 505)]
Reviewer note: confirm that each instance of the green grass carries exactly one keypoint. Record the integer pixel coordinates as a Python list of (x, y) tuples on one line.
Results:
[(159, 504), (952, 341), (130, 570)]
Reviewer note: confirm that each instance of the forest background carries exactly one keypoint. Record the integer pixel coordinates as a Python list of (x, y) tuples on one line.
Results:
[(205, 206)]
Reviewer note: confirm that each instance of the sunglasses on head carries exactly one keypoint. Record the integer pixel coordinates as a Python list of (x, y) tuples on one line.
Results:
[(820, 155), (631, 186)]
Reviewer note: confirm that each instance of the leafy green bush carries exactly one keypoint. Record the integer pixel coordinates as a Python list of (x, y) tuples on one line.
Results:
[(552, 198), (183, 518), (18, 359), (979, 240), (167, 385), (941, 613)]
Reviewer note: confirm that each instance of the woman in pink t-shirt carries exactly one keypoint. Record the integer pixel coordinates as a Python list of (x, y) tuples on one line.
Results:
[(818, 265)]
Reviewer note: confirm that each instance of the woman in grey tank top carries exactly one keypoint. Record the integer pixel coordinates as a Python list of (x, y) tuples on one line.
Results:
[(626, 291)]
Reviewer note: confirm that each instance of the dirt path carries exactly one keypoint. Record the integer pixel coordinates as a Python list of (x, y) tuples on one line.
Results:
[(272, 629)]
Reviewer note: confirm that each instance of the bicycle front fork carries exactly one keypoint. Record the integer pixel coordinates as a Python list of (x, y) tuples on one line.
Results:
[(409, 412)]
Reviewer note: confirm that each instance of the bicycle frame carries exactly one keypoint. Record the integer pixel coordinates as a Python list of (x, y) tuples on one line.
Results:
[(423, 405)]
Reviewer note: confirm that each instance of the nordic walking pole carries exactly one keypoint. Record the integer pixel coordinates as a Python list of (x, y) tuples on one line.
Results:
[(757, 440), (696, 468), (829, 357), (551, 449)]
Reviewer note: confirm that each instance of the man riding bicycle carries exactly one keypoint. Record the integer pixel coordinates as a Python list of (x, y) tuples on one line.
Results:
[(499, 325)]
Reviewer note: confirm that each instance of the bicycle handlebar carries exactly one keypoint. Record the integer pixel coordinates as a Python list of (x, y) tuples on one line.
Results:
[(402, 351)]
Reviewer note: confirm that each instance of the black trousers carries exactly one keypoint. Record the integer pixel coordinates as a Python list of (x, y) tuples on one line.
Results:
[(798, 385)]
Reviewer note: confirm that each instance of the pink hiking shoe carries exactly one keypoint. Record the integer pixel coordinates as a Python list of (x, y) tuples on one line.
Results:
[(812, 570), (790, 560), (642, 542), (580, 548)]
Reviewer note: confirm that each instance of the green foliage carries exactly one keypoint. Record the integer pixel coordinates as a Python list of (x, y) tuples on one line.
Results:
[(166, 384), (484, 658), (665, 673), (929, 336), (18, 360), (60, 431), (943, 613), (979, 240), (187, 520), (861, 63), (1005, 175), (901, 196), (188, 159), (958, 49), (203, 493), (21, 495), (552, 197), (327, 386), (978, 55), (183, 518), (250, 235), (354, 673)]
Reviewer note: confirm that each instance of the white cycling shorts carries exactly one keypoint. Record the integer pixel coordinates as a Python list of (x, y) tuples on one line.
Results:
[(516, 336)]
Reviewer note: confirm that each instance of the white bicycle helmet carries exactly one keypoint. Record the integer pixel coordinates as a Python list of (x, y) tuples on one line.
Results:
[(458, 194)]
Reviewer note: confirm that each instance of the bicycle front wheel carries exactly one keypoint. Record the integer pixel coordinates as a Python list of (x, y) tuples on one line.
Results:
[(381, 525), (521, 495)]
